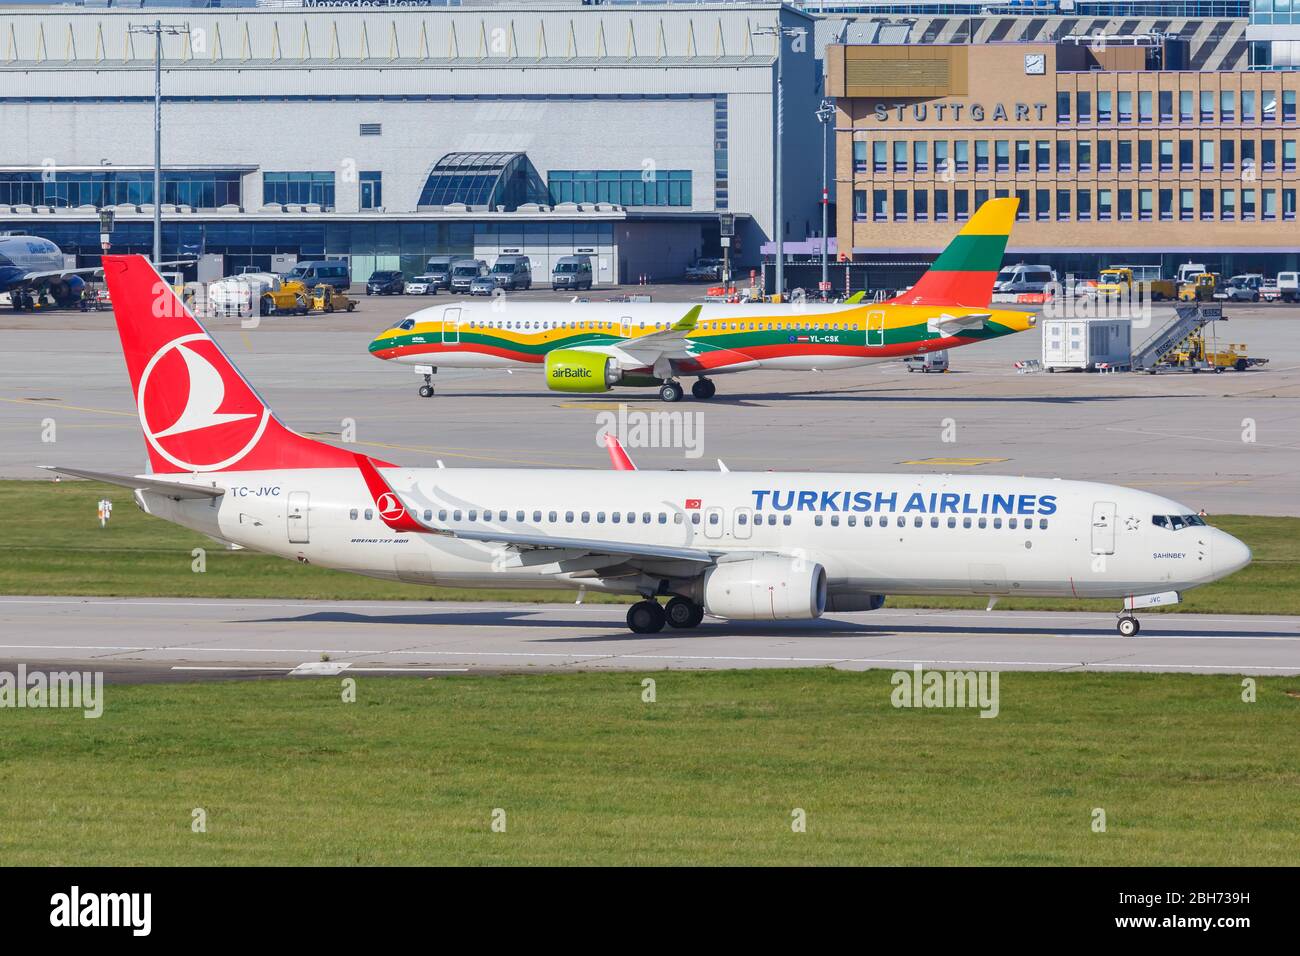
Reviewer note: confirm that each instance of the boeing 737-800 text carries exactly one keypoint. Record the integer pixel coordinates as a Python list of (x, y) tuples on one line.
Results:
[(597, 346), (733, 545)]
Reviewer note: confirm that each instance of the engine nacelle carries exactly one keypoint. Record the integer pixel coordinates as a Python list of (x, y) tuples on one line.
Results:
[(854, 601), (572, 370), (770, 587)]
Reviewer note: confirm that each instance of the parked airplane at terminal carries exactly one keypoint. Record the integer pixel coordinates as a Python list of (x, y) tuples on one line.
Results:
[(738, 546), (31, 268), (597, 346)]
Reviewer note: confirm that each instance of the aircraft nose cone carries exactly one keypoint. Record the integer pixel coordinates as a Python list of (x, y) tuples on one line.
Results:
[(1229, 555)]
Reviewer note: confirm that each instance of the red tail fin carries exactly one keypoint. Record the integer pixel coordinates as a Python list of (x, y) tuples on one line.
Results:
[(197, 412)]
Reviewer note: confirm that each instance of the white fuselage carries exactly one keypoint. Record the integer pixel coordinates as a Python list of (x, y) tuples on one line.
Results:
[(873, 533)]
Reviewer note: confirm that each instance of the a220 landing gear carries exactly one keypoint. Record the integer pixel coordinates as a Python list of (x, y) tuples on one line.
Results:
[(671, 391), (1128, 626), (426, 390), (704, 389)]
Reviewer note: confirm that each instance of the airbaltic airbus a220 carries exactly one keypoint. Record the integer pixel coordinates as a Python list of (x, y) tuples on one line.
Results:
[(741, 547), (597, 346)]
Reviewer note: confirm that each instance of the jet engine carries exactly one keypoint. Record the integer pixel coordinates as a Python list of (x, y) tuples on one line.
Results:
[(572, 370), (67, 291), (770, 587), (854, 601)]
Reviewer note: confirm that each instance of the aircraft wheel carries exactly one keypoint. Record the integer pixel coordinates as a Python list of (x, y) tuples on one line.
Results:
[(645, 617), (426, 391), (671, 392), (682, 613), (704, 389), (1128, 626)]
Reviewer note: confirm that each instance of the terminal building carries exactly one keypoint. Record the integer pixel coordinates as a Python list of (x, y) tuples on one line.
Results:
[(1114, 158), (389, 134)]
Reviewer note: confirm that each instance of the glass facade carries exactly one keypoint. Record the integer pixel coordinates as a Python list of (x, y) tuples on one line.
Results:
[(199, 189), (481, 180), (623, 187), (301, 188)]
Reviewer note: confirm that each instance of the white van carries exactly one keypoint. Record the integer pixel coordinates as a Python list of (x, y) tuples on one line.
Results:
[(1024, 278), (927, 362), (1288, 286)]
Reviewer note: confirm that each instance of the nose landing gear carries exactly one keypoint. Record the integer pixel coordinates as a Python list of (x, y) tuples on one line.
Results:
[(426, 390), (1127, 625)]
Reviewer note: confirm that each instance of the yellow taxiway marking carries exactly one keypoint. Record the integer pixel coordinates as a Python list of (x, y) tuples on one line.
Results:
[(34, 403), (954, 462)]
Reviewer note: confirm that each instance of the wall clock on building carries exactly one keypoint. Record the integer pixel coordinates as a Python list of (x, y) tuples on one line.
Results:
[(1035, 64)]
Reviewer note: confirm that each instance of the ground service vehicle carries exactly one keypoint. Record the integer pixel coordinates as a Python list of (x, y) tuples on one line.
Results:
[(465, 271), (1199, 288), (705, 269), (311, 274), (572, 272), (438, 269), (1269, 292), (1024, 278), (1288, 286), (289, 296), (512, 272), (325, 298), (1125, 280), (928, 362), (1241, 288)]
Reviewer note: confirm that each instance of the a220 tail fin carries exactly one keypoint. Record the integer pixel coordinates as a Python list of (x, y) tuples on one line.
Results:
[(964, 273), (197, 411)]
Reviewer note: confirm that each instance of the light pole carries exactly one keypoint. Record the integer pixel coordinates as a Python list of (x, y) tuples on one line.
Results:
[(156, 30), (780, 32), (825, 115)]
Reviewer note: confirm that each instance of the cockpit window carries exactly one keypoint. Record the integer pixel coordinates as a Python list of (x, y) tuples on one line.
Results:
[(406, 325), (1177, 522)]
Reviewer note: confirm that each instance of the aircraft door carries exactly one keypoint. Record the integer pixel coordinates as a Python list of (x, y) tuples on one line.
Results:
[(875, 329), (451, 325), (299, 507), (625, 326), (742, 523), (1103, 527), (713, 523)]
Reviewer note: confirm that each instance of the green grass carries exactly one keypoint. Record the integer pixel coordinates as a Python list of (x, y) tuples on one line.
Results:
[(587, 773), (53, 545)]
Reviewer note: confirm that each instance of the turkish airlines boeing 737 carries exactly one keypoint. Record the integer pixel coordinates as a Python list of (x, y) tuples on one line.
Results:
[(757, 546)]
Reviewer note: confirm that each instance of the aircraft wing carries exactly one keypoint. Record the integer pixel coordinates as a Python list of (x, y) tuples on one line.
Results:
[(398, 517), (956, 324), (84, 271), (666, 344), (172, 489)]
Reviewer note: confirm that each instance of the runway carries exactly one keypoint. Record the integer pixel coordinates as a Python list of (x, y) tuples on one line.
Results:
[(143, 639)]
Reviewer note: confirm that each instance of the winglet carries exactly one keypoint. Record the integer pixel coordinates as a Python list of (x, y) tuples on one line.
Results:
[(687, 321), (856, 297), (391, 508), (617, 456)]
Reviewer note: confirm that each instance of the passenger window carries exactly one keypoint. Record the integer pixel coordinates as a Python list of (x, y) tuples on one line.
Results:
[(695, 518), (600, 517), (442, 515), (456, 515), (473, 515), (631, 517), (1011, 523), (663, 518), (568, 517), (503, 516), (537, 517), (952, 522), (852, 521), (934, 522), (551, 516), (353, 514), (1042, 523), (785, 519), (835, 521), (586, 516), (677, 517), (818, 521), (984, 522), (519, 516), (997, 522), (713, 518), (916, 522), (965, 522), (369, 514), (428, 515), (616, 517), (645, 517), (771, 519), (901, 521), (741, 519), (868, 521)]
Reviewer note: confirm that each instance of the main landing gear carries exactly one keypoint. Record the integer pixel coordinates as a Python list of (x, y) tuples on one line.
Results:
[(672, 391), (426, 390), (1127, 625), (648, 617)]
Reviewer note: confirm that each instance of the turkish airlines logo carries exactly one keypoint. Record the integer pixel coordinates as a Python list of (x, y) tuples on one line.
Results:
[(195, 410), (390, 509)]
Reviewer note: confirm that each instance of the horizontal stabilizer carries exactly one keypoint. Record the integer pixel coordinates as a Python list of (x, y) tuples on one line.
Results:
[(172, 489), (956, 324)]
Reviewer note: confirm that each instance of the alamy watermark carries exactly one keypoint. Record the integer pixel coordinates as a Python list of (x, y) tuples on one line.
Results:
[(637, 429), (74, 690), (921, 688)]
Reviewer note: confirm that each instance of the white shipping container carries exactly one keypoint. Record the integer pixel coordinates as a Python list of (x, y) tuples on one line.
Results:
[(1087, 343)]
